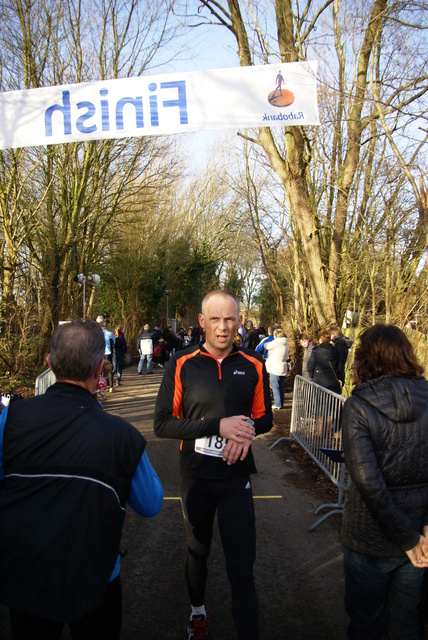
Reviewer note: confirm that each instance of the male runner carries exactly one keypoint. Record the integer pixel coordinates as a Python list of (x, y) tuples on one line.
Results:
[(216, 399)]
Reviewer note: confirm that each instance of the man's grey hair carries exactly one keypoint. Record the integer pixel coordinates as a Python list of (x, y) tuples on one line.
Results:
[(146, 327), (76, 350)]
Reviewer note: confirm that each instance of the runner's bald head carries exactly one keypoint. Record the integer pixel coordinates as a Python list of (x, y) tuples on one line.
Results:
[(222, 293)]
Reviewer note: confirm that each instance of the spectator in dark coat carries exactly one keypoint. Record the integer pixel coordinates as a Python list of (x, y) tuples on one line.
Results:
[(197, 334), (385, 523), (179, 336), (343, 345), (169, 338), (252, 338), (67, 470), (119, 355), (156, 334), (323, 363)]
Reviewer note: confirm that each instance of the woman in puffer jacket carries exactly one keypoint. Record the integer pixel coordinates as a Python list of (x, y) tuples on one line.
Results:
[(277, 366), (385, 523), (323, 363)]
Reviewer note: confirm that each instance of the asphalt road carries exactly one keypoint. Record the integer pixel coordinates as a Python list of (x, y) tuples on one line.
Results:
[(298, 574)]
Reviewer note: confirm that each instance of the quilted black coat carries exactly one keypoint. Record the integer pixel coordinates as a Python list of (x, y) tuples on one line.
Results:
[(385, 438), (323, 366)]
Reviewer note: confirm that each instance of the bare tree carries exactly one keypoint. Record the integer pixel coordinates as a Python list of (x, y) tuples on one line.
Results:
[(59, 204), (325, 172)]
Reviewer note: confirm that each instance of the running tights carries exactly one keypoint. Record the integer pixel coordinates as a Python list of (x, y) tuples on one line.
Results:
[(233, 502)]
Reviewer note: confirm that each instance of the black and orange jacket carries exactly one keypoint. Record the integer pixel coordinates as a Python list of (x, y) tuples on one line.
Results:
[(197, 391)]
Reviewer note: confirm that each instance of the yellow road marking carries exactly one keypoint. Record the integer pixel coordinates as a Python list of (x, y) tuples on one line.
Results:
[(255, 497)]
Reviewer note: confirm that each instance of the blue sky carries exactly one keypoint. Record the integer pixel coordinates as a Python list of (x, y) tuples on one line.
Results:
[(203, 48)]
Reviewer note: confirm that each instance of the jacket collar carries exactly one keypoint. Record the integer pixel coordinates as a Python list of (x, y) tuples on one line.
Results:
[(66, 389)]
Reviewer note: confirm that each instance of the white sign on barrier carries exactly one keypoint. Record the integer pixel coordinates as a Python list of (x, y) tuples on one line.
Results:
[(258, 96)]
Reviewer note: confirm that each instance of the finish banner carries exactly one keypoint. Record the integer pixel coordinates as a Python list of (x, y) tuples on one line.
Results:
[(237, 98)]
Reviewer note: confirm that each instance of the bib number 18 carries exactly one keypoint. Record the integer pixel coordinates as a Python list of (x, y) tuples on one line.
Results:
[(211, 446)]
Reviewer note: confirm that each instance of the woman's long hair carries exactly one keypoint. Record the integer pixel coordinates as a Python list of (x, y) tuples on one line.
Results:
[(385, 350)]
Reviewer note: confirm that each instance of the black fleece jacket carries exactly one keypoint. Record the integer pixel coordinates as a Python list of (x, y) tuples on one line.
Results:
[(197, 391)]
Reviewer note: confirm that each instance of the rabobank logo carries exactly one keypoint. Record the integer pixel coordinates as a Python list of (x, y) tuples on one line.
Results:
[(280, 97), (115, 114)]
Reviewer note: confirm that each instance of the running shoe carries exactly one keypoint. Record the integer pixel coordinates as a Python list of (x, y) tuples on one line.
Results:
[(197, 628)]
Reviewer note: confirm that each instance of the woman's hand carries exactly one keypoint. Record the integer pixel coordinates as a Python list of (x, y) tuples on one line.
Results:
[(418, 556)]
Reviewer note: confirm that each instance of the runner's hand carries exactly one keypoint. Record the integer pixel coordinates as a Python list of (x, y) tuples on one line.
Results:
[(237, 429), (235, 451), (239, 433)]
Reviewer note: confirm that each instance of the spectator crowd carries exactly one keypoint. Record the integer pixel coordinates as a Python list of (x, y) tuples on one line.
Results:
[(324, 362), (60, 454)]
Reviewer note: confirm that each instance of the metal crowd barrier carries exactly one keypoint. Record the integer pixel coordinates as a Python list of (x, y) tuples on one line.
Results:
[(315, 425), (43, 381)]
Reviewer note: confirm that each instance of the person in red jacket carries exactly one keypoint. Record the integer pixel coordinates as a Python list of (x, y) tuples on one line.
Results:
[(215, 398)]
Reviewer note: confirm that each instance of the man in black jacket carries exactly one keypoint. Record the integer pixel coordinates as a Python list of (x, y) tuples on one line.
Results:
[(216, 398), (252, 337), (67, 471)]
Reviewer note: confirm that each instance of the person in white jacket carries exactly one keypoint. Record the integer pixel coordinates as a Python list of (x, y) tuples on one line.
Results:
[(277, 367)]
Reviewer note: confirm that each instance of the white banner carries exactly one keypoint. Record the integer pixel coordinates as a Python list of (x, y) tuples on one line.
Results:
[(261, 96)]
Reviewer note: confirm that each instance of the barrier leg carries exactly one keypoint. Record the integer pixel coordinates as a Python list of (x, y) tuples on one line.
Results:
[(279, 440), (324, 517), (335, 505)]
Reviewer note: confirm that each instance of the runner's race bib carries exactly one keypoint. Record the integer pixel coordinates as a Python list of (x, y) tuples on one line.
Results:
[(211, 446)]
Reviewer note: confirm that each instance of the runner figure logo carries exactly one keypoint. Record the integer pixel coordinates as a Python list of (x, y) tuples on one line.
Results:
[(280, 97)]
